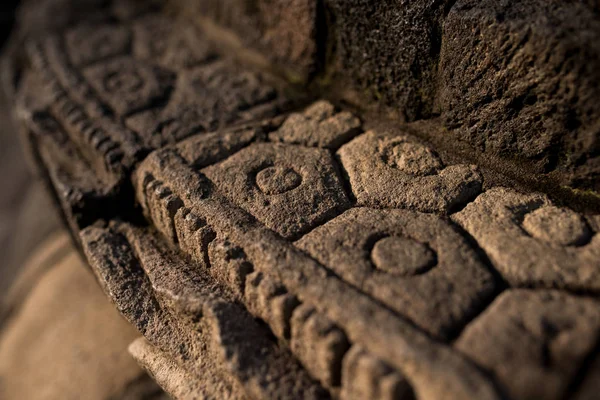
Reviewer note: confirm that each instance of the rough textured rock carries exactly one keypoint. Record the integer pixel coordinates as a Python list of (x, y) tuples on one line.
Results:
[(179, 169), (416, 264), (173, 46), (533, 342), (176, 381), (319, 344), (533, 243), (196, 105), (256, 248), (283, 31), (520, 79), (370, 378), (289, 188), (102, 99), (387, 51), (320, 125), (395, 170), (189, 317)]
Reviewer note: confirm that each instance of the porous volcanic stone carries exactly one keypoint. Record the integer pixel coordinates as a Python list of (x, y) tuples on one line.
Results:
[(95, 97), (89, 43), (414, 263), (533, 342), (368, 377), (320, 125), (533, 243), (191, 319), (281, 281), (388, 51), (395, 170), (178, 382), (289, 188), (207, 98), (520, 79), (128, 85), (160, 40)]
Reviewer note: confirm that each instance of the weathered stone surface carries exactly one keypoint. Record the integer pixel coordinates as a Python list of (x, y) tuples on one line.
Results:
[(178, 382), (70, 99), (394, 170), (128, 85), (190, 318), (366, 377), (533, 243), (387, 51), (207, 149), (414, 263), (283, 31), (319, 344), (520, 79), (289, 188), (533, 342), (93, 100), (208, 98), (367, 299), (65, 338), (320, 125), (168, 102), (561, 226), (431, 367), (269, 300), (80, 191)]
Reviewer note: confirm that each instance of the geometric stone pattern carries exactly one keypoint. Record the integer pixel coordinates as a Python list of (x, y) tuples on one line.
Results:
[(394, 170), (117, 90), (299, 299), (533, 342), (533, 243), (515, 82), (288, 188), (414, 263), (291, 254), (320, 125)]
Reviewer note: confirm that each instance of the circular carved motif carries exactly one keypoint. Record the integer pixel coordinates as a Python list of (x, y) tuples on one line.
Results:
[(123, 81), (560, 226), (412, 158), (277, 180), (402, 256)]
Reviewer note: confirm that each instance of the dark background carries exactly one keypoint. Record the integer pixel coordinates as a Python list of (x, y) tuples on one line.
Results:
[(7, 11)]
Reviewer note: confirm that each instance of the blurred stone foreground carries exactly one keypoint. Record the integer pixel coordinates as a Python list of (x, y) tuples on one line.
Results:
[(60, 338), (506, 93)]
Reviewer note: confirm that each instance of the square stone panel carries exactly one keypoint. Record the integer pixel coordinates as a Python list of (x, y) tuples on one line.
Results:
[(414, 263), (319, 125), (533, 342), (207, 98), (533, 243), (290, 189), (128, 85), (389, 169)]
